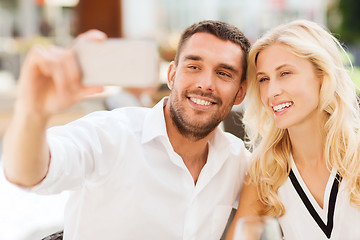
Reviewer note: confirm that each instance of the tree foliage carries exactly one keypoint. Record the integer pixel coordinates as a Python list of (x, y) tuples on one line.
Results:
[(349, 28)]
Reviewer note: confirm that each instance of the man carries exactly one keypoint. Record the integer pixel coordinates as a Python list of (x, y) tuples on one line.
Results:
[(136, 173)]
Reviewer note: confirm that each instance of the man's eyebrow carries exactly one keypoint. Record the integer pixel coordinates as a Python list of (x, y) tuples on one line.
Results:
[(228, 67), (221, 65), (193, 57)]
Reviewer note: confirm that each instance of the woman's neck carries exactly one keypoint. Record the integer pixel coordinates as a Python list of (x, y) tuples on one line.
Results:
[(308, 143)]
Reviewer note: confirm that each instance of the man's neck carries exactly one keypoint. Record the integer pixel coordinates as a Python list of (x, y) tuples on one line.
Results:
[(194, 152)]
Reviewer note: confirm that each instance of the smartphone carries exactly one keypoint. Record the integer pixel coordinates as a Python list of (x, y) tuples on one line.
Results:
[(119, 62)]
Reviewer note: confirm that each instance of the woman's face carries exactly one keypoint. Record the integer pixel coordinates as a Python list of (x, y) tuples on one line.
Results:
[(289, 86)]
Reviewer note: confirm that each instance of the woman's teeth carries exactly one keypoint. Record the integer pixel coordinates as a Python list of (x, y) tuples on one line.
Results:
[(281, 107)]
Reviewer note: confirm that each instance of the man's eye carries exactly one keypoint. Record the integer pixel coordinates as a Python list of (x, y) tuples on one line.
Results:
[(193, 67), (224, 74)]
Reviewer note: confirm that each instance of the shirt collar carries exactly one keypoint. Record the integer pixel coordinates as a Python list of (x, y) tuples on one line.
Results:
[(154, 126), (154, 123), (219, 147)]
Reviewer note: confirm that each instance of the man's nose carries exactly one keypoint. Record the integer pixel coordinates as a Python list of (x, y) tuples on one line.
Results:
[(206, 81)]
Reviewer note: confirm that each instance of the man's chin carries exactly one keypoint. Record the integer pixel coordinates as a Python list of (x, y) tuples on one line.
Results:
[(205, 126), (202, 124)]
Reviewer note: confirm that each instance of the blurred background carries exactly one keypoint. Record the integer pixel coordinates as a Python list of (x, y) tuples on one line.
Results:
[(25, 23)]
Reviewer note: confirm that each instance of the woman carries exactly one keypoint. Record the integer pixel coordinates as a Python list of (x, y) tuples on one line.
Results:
[(303, 122)]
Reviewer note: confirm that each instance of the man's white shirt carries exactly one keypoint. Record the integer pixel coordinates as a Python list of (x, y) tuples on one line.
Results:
[(128, 183)]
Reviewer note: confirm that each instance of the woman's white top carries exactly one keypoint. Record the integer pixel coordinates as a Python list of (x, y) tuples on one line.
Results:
[(338, 219)]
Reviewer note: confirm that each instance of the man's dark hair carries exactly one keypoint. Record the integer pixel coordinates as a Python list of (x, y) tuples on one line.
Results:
[(221, 30)]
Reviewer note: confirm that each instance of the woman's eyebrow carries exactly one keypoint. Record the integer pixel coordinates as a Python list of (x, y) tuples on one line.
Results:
[(259, 73), (277, 69), (284, 65)]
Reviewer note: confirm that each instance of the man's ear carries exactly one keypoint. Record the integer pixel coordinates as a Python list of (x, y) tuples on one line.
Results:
[(171, 74), (241, 93)]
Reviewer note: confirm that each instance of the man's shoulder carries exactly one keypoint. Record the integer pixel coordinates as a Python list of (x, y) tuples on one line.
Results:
[(131, 112), (238, 155), (233, 140), (120, 113), (236, 145), (133, 117), (129, 117)]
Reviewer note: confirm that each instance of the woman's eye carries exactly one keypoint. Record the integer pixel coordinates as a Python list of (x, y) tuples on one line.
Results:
[(263, 79), (284, 73)]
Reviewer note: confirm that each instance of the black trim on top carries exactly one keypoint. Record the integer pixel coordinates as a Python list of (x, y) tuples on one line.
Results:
[(327, 229)]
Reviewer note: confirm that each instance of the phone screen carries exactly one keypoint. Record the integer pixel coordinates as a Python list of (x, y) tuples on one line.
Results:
[(119, 62)]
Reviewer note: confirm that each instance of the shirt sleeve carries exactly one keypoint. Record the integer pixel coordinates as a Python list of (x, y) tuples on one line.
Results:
[(84, 150)]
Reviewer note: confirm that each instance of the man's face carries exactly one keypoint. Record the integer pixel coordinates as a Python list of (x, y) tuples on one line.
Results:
[(205, 84)]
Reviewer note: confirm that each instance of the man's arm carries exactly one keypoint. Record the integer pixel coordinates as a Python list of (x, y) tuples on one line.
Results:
[(26, 155), (50, 82)]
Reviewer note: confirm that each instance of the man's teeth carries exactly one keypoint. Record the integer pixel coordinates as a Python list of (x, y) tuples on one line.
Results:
[(200, 102), (281, 107)]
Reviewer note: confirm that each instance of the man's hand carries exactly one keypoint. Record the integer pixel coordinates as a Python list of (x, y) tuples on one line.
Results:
[(50, 79)]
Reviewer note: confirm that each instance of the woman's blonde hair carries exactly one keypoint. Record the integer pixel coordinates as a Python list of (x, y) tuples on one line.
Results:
[(338, 100)]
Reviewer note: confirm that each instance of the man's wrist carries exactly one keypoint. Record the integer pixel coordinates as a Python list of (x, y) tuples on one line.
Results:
[(26, 113)]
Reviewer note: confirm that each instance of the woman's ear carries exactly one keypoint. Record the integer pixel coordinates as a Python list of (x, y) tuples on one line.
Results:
[(171, 74), (241, 93)]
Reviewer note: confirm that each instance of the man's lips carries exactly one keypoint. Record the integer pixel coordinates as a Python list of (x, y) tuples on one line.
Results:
[(202, 99), (201, 102)]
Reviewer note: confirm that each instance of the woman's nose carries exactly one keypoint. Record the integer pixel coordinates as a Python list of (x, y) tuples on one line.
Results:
[(274, 88)]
